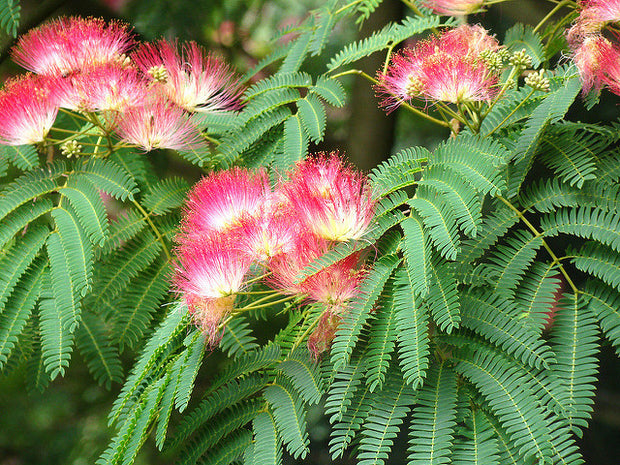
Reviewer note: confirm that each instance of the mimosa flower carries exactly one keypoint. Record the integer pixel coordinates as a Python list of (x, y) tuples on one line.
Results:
[(610, 65), (454, 7), (337, 284), (158, 124), (286, 267), (108, 87), (592, 56), (69, 44), (447, 68), (209, 313), (221, 200), (457, 79), (208, 274), (193, 79), (471, 40), (28, 105), (334, 286), (332, 200), (210, 267), (274, 230)]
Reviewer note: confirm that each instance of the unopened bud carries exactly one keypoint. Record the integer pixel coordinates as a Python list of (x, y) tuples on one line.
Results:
[(503, 53), (414, 87), (492, 60), (159, 73), (537, 81), (70, 148), (520, 59)]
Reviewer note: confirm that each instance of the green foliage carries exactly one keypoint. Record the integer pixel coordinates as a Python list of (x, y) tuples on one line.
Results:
[(10, 13), (449, 337)]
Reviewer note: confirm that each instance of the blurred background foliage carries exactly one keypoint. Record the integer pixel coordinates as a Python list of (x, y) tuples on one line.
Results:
[(66, 423)]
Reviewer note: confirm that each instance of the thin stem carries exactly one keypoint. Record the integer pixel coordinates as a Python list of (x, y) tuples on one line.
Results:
[(270, 291), (74, 115), (258, 278), (306, 332), (386, 63), (500, 94), (158, 234), (556, 260), (346, 7), (511, 113), (266, 303), (404, 104), (550, 14)]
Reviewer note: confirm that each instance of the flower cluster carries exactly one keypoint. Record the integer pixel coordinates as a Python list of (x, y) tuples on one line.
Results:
[(144, 96), (238, 230), (454, 67), (597, 58)]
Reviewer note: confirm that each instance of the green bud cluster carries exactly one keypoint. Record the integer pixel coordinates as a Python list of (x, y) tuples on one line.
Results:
[(520, 59), (493, 60), (537, 81), (70, 148)]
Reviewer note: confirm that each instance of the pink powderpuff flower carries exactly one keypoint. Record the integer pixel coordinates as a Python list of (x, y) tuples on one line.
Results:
[(332, 200), (457, 79), (108, 87), (454, 7), (337, 284), (272, 231), (468, 39), (222, 200), (286, 267), (66, 45), (596, 13), (610, 66), (193, 79), (208, 274), (158, 124), (28, 105), (447, 68), (334, 286), (593, 56)]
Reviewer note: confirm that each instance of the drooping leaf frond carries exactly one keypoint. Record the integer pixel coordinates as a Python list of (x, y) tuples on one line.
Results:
[(351, 326), (433, 420), (510, 398), (289, 417), (490, 316), (390, 407), (412, 331), (574, 340)]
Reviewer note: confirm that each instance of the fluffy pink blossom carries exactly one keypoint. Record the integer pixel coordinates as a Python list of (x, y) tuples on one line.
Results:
[(456, 79), (333, 286), (593, 55), (273, 230), (468, 39), (28, 105), (65, 45), (445, 68), (222, 200), (454, 7), (610, 66), (337, 284), (193, 79), (332, 200), (209, 272), (107, 87), (158, 124)]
